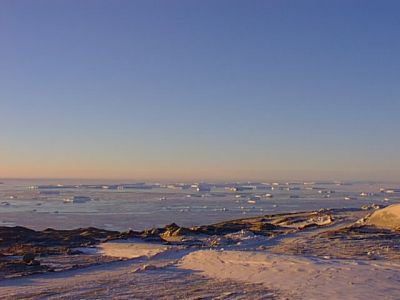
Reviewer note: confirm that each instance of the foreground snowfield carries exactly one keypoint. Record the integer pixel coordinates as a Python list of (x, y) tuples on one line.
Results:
[(232, 275), (146, 277), (240, 265), (301, 278)]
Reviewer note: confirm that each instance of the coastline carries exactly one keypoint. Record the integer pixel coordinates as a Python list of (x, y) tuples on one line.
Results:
[(273, 256)]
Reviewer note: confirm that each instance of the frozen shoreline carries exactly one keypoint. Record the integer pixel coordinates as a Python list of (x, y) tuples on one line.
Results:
[(235, 259), (115, 209)]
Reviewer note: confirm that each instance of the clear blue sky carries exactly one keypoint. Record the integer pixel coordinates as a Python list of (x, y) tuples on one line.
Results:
[(200, 89)]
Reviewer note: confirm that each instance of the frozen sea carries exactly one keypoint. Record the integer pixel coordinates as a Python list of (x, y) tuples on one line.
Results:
[(23, 203)]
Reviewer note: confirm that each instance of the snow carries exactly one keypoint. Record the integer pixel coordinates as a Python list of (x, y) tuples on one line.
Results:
[(131, 249), (388, 217), (140, 278), (300, 277)]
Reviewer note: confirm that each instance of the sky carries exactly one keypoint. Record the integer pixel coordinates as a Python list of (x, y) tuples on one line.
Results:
[(200, 89)]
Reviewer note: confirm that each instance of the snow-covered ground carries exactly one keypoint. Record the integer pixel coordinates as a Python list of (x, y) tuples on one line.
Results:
[(388, 217), (301, 278), (244, 268), (131, 249), (286, 277), (146, 277)]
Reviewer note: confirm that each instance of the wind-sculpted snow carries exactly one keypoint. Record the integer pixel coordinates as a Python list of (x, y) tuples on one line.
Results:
[(388, 217), (304, 255)]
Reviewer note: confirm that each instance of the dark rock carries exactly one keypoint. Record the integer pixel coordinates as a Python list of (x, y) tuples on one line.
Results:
[(28, 258), (219, 229), (34, 262), (263, 228), (10, 236), (171, 226), (123, 236), (70, 251), (152, 234)]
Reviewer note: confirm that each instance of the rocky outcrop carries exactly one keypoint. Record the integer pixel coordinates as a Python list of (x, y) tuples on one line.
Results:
[(26, 249), (11, 236)]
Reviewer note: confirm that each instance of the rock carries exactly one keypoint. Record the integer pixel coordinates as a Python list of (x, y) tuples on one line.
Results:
[(172, 226), (149, 267), (263, 227), (10, 236), (123, 236), (70, 251), (28, 258), (34, 263), (220, 228), (174, 230), (368, 207), (144, 268)]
